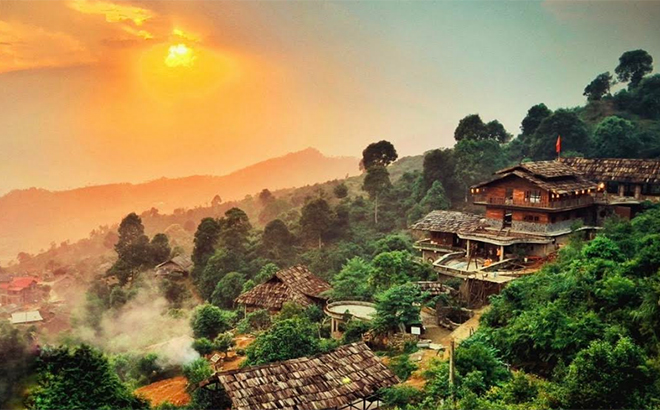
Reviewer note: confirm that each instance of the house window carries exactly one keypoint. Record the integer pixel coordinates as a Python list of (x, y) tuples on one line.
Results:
[(509, 194), (531, 218), (533, 196), (612, 187)]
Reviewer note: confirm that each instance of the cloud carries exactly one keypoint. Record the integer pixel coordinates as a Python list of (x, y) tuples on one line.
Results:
[(114, 13), (24, 47)]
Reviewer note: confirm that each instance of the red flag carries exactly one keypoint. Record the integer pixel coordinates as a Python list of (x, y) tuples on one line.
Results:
[(558, 145)]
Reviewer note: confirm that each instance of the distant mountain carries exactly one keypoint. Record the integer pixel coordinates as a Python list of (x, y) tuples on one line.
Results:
[(33, 218)]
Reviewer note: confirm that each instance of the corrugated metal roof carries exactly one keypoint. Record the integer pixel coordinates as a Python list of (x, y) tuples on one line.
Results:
[(26, 317)]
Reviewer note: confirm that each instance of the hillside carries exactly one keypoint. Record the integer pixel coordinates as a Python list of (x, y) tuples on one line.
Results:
[(32, 219)]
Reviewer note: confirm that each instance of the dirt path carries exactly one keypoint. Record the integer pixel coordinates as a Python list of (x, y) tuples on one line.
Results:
[(169, 390), (459, 334)]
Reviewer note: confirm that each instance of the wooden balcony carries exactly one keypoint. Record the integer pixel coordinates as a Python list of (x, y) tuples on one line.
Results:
[(556, 204)]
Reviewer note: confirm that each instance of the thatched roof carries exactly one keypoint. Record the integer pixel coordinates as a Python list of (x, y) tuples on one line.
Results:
[(448, 221), (342, 376), (184, 264), (637, 171), (295, 284)]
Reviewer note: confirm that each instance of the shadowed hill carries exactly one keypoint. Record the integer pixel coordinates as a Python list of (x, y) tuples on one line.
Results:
[(31, 219)]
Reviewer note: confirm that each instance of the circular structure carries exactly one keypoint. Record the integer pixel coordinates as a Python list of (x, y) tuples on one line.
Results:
[(363, 311)]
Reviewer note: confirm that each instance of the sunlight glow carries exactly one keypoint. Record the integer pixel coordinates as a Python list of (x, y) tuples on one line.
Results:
[(180, 55)]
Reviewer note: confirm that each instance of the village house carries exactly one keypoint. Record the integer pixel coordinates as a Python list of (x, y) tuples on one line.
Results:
[(532, 208), (295, 284), (19, 291), (348, 377), (176, 267)]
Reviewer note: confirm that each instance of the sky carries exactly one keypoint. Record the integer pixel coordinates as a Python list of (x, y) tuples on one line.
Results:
[(95, 92)]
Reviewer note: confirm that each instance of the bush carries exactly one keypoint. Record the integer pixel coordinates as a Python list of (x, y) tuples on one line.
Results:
[(402, 366), (208, 320)]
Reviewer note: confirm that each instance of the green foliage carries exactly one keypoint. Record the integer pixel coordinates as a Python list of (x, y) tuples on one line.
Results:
[(197, 371), (79, 378), (278, 241), (148, 367), (398, 307), (400, 396), (254, 322), (378, 154), (206, 237), (534, 118), (354, 330), (633, 66), (402, 366), (616, 138), (208, 320), (396, 267), (435, 198), (351, 282), (315, 220), (160, 248), (473, 128), (564, 123), (134, 252), (340, 191), (612, 376), (203, 346), (599, 87), (228, 289), (286, 339), (15, 360), (174, 292)]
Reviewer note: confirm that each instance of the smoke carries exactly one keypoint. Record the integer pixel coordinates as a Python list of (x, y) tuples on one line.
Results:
[(145, 324)]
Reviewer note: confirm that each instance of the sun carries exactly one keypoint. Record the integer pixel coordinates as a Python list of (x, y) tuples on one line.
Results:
[(180, 55)]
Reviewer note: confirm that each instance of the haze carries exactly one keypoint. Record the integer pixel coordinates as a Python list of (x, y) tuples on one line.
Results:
[(98, 91)]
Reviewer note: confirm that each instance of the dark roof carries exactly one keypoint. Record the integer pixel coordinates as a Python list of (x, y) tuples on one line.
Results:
[(324, 381), (448, 221), (183, 263), (295, 284), (617, 169), (548, 175)]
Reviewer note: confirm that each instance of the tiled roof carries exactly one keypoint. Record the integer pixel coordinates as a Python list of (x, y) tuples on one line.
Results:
[(448, 221), (326, 381), (295, 284), (616, 169), (20, 283)]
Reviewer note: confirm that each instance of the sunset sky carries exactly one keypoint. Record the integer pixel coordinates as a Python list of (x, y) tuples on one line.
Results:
[(106, 91)]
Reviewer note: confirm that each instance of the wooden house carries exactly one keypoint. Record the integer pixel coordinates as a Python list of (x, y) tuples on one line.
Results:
[(177, 267), (348, 377), (19, 291), (295, 284)]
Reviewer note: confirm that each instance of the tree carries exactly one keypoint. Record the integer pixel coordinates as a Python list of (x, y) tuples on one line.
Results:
[(535, 115), (15, 360), (435, 198), (599, 87), (208, 321), (606, 376), (494, 130), (351, 281), (206, 237), (376, 182), (378, 154), (277, 240), (286, 339), (440, 165), (615, 137), (564, 123), (398, 307), (160, 248), (340, 191), (315, 219), (471, 127), (265, 197), (133, 250), (197, 371), (80, 378), (235, 230), (228, 289), (633, 66), (478, 159)]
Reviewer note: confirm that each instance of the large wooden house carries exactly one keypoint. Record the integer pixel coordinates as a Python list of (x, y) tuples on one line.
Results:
[(295, 284), (531, 208)]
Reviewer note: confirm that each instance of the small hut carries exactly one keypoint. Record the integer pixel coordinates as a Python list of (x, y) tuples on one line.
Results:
[(176, 267), (348, 377), (295, 284)]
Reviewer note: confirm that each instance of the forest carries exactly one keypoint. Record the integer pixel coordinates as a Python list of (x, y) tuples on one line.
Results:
[(581, 333)]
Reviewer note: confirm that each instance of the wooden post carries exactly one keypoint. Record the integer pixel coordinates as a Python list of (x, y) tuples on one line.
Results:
[(501, 253), (451, 369)]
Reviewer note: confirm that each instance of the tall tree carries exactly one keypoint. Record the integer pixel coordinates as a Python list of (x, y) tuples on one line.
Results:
[(564, 123), (80, 378), (376, 183), (398, 307), (440, 165), (235, 230), (160, 248), (265, 197), (378, 154), (615, 137), (286, 339), (315, 219), (633, 66), (471, 127), (133, 250), (278, 240), (494, 130), (535, 115), (599, 87), (206, 238), (228, 289)]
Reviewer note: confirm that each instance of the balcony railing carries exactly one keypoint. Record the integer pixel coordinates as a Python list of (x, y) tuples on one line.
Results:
[(531, 203)]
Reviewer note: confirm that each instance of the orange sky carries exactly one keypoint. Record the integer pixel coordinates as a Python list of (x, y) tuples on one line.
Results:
[(97, 91)]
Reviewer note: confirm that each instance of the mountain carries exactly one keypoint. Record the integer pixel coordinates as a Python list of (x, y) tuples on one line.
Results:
[(33, 218)]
